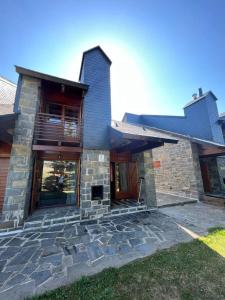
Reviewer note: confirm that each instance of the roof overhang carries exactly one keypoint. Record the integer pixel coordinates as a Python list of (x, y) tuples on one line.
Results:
[(51, 78), (123, 141), (211, 150), (7, 125)]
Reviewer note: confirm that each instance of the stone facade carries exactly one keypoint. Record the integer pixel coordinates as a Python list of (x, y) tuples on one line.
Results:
[(95, 171), (18, 187), (177, 169), (145, 170)]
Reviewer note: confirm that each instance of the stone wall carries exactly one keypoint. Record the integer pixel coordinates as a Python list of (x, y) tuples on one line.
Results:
[(18, 187), (145, 170), (95, 170), (177, 169)]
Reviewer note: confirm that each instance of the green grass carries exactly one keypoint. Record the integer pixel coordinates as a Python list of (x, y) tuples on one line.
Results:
[(194, 270)]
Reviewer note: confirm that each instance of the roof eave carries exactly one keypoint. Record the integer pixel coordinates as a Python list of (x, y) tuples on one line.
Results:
[(35, 74)]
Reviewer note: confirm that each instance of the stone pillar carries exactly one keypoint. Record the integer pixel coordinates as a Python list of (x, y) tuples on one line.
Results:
[(145, 169), (95, 170), (18, 187)]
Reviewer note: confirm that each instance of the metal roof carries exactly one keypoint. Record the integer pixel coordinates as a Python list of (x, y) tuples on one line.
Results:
[(164, 134), (129, 137)]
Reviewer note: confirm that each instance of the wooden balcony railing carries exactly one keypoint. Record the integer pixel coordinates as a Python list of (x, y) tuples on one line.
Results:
[(55, 128)]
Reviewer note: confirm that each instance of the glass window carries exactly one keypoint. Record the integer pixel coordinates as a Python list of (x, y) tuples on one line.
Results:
[(55, 109), (70, 112), (59, 183), (121, 172)]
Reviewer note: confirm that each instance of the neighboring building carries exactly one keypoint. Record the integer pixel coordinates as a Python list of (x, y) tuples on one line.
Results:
[(7, 96), (200, 134), (58, 148)]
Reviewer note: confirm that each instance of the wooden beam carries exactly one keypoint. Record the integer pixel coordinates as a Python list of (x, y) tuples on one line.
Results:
[(211, 151), (148, 146), (57, 148)]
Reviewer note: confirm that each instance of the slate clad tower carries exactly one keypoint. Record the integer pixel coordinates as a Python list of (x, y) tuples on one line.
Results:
[(95, 71), (95, 161)]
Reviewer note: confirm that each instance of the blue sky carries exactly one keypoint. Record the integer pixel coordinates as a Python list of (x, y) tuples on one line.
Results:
[(162, 51)]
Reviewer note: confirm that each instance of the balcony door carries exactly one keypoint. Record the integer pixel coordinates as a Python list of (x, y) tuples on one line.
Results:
[(66, 119)]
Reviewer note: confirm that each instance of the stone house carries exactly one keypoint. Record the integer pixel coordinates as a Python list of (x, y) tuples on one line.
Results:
[(194, 168), (58, 148)]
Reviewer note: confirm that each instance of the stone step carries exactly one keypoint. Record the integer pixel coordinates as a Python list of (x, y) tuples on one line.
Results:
[(126, 210), (51, 222), (36, 225)]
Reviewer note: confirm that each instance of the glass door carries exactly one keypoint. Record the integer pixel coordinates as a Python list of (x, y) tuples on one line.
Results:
[(58, 183)]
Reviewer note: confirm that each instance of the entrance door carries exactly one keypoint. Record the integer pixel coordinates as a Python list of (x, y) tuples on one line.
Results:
[(58, 183), (4, 164), (125, 180), (205, 176)]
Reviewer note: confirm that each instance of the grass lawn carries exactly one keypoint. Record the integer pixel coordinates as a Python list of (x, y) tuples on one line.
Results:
[(194, 270)]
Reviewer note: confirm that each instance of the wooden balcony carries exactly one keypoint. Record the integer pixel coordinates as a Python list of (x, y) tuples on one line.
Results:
[(56, 129)]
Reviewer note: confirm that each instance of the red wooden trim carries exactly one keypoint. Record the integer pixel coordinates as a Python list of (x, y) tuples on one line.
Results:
[(57, 148)]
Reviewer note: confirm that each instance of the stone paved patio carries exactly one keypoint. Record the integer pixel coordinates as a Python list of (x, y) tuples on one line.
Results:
[(42, 259)]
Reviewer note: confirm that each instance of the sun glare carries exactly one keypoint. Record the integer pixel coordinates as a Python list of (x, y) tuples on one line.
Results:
[(131, 90)]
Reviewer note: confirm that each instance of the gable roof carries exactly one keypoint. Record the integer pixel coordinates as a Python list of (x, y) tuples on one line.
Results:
[(90, 50), (51, 78)]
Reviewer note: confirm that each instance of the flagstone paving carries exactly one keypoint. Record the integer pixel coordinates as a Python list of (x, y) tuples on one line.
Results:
[(42, 259)]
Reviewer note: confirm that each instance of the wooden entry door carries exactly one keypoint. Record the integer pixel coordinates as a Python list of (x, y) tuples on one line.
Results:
[(4, 165), (205, 176), (133, 179), (125, 180)]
